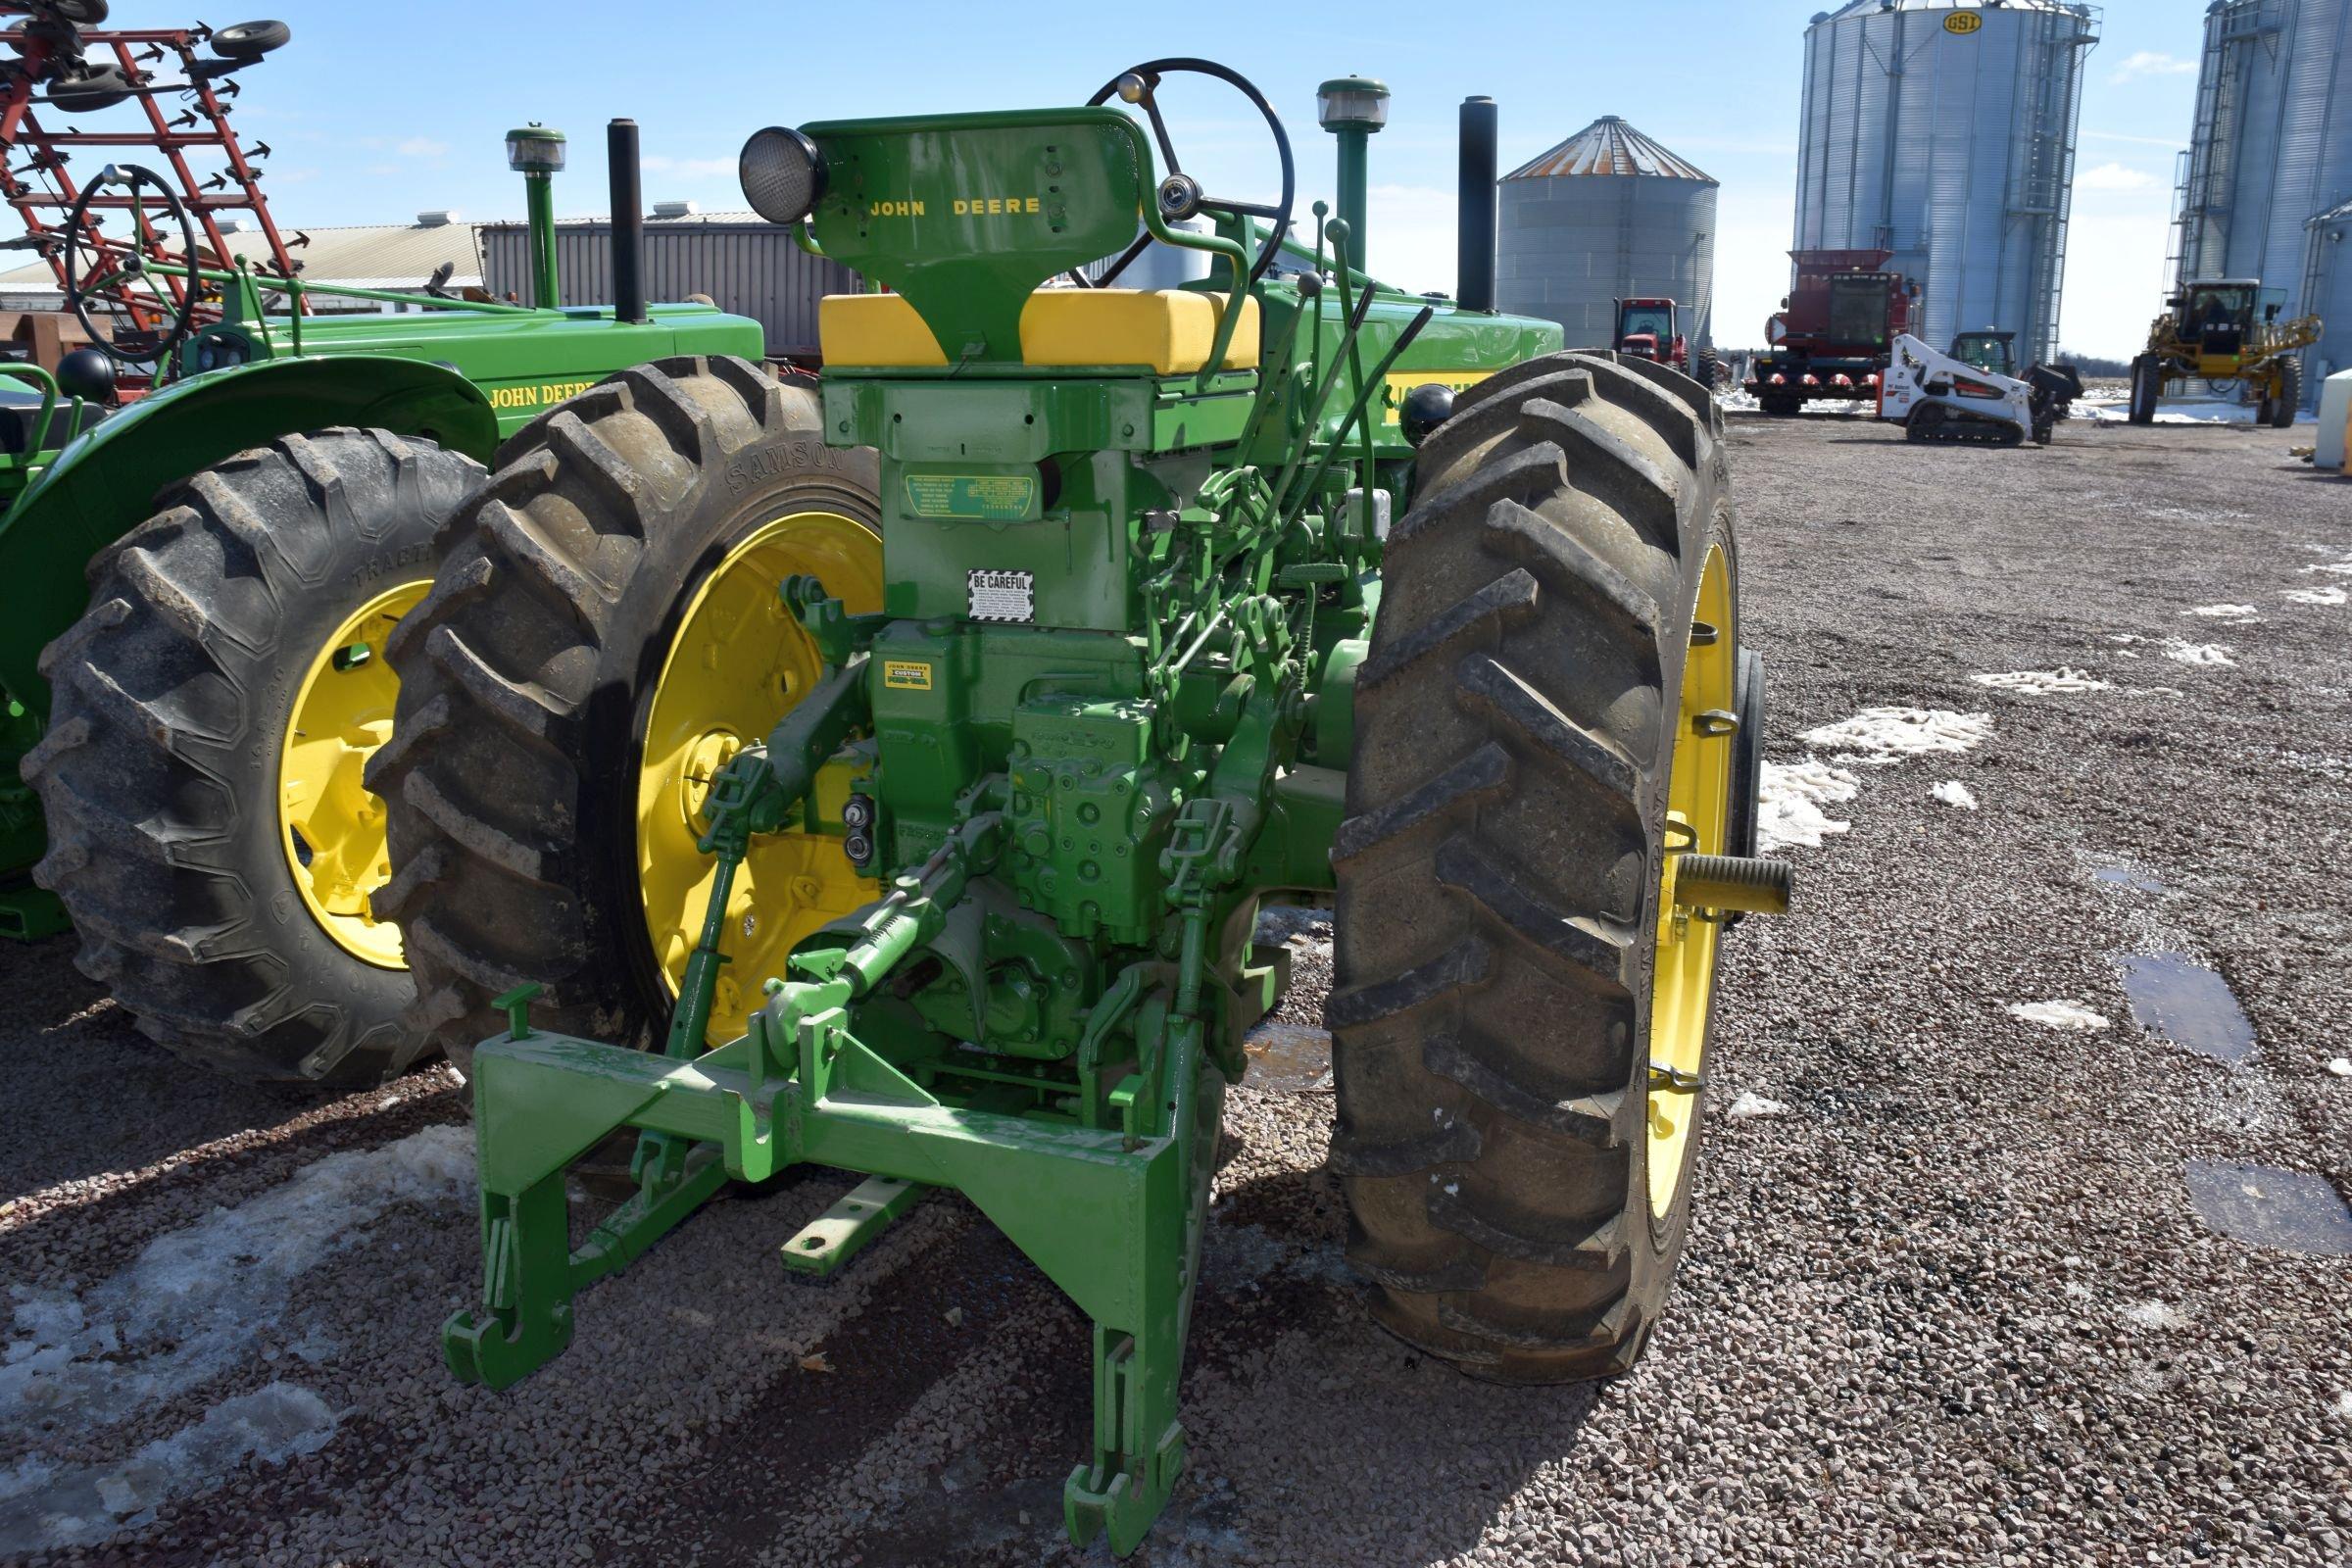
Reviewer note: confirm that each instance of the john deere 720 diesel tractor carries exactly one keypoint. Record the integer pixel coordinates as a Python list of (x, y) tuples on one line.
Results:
[(887, 774), (201, 571)]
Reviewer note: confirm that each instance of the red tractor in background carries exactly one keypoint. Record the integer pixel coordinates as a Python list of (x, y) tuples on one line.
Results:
[(1649, 328), (1833, 333)]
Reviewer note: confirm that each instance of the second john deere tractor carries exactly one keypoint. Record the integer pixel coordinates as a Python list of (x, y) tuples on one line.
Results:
[(887, 774), (207, 531)]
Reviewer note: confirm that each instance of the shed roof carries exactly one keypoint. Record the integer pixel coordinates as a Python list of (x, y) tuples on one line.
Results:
[(1608, 146), (384, 255)]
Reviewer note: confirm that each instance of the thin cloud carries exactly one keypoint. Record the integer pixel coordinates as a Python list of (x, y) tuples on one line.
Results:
[(2152, 62), (2114, 177), (691, 167), (407, 147)]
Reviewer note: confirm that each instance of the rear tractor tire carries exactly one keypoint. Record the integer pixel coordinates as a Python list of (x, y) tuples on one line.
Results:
[(1550, 708), (1706, 369), (2147, 385), (201, 774), (605, 633), (2280, 410)]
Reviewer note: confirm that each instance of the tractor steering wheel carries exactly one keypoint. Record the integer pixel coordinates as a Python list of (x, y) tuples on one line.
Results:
[(1180, 195), (145, 346)]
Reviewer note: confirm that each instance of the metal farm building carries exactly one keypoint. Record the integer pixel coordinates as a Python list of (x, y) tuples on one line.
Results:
[(1605, 214), (1944, 130), (739, 260), (2265, 189)]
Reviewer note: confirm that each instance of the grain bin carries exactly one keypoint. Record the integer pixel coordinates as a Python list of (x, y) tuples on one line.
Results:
[(2267, 186), (1944, 130), (1606, 214)]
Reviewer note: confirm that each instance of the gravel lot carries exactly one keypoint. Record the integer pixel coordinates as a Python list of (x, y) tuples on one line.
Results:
[(1948, 1298)]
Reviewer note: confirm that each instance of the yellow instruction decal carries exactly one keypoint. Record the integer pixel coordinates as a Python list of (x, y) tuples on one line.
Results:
[(905, 675)]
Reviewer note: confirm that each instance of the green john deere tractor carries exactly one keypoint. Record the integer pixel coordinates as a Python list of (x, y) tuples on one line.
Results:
[(202, 573), (887, 774)]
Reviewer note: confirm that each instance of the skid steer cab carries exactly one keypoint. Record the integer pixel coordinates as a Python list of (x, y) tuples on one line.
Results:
[(887, 774)]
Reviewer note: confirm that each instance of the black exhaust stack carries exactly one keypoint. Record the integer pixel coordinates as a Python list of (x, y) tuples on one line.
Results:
[(1474, 249), (628, 222)]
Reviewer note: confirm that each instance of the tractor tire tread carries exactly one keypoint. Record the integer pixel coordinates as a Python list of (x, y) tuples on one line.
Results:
[(1496, 866), (162, 849), (498, 673)]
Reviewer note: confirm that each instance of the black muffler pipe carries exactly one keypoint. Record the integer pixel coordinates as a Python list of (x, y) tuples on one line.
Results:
[(1474, 248), (628, 222)]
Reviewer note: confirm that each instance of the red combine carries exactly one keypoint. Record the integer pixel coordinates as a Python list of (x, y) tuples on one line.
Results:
[(1650, 329), (1833, 333)]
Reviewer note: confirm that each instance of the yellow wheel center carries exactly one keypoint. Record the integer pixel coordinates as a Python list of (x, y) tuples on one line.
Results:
[(738, 663), (331, 827), (1697, 819)]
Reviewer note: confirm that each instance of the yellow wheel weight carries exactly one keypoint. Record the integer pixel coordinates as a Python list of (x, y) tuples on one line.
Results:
[(331, 827), (1699, 816), (737, 663)]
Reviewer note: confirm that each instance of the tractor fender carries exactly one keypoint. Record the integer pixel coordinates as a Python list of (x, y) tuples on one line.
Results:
[(107, 480)]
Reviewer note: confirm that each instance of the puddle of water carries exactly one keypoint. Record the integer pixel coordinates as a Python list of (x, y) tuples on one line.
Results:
[(2290, 1209), (2187, 1003), (2127, 876), (1289, 1058)]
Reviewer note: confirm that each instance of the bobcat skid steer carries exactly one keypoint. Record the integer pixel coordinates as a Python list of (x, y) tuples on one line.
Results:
[(1935, 397)]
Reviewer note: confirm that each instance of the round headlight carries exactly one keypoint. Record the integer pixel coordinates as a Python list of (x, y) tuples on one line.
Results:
[(782, 175)]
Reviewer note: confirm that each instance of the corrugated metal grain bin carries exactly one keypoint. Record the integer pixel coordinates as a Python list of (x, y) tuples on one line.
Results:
[(1606, 215), (1944, 130), (742, 261), (2266, 191)]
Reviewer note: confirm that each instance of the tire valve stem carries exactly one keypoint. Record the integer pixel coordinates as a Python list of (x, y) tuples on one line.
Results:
[(1667, 1076)]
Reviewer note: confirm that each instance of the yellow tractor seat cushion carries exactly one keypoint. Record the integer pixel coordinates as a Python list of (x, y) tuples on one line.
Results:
[(1169, 331)]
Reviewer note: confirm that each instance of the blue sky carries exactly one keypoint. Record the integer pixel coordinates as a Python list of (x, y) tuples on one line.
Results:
[(379, 110)]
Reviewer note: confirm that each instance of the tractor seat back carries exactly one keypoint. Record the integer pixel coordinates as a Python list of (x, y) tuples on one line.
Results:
[(966, 215), (1164, 331)]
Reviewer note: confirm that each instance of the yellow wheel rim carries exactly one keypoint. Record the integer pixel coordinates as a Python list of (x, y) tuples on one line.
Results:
[(1699, 816), (738, 664), (331, 827)]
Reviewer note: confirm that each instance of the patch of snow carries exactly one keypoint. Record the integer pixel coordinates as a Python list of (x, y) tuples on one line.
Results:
[(2330, 594), (1886, 733), (2343, 1405), (2153, 1315), (2108, 406), (43, 1507), (2182, 651), (2044, 682), (192, 1303), (2342, 1066), (2229, 613), (1750, 1105), (1951, 791), (2077, 1290), (2059, 1014), (1791, 798), (2340, 568)]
